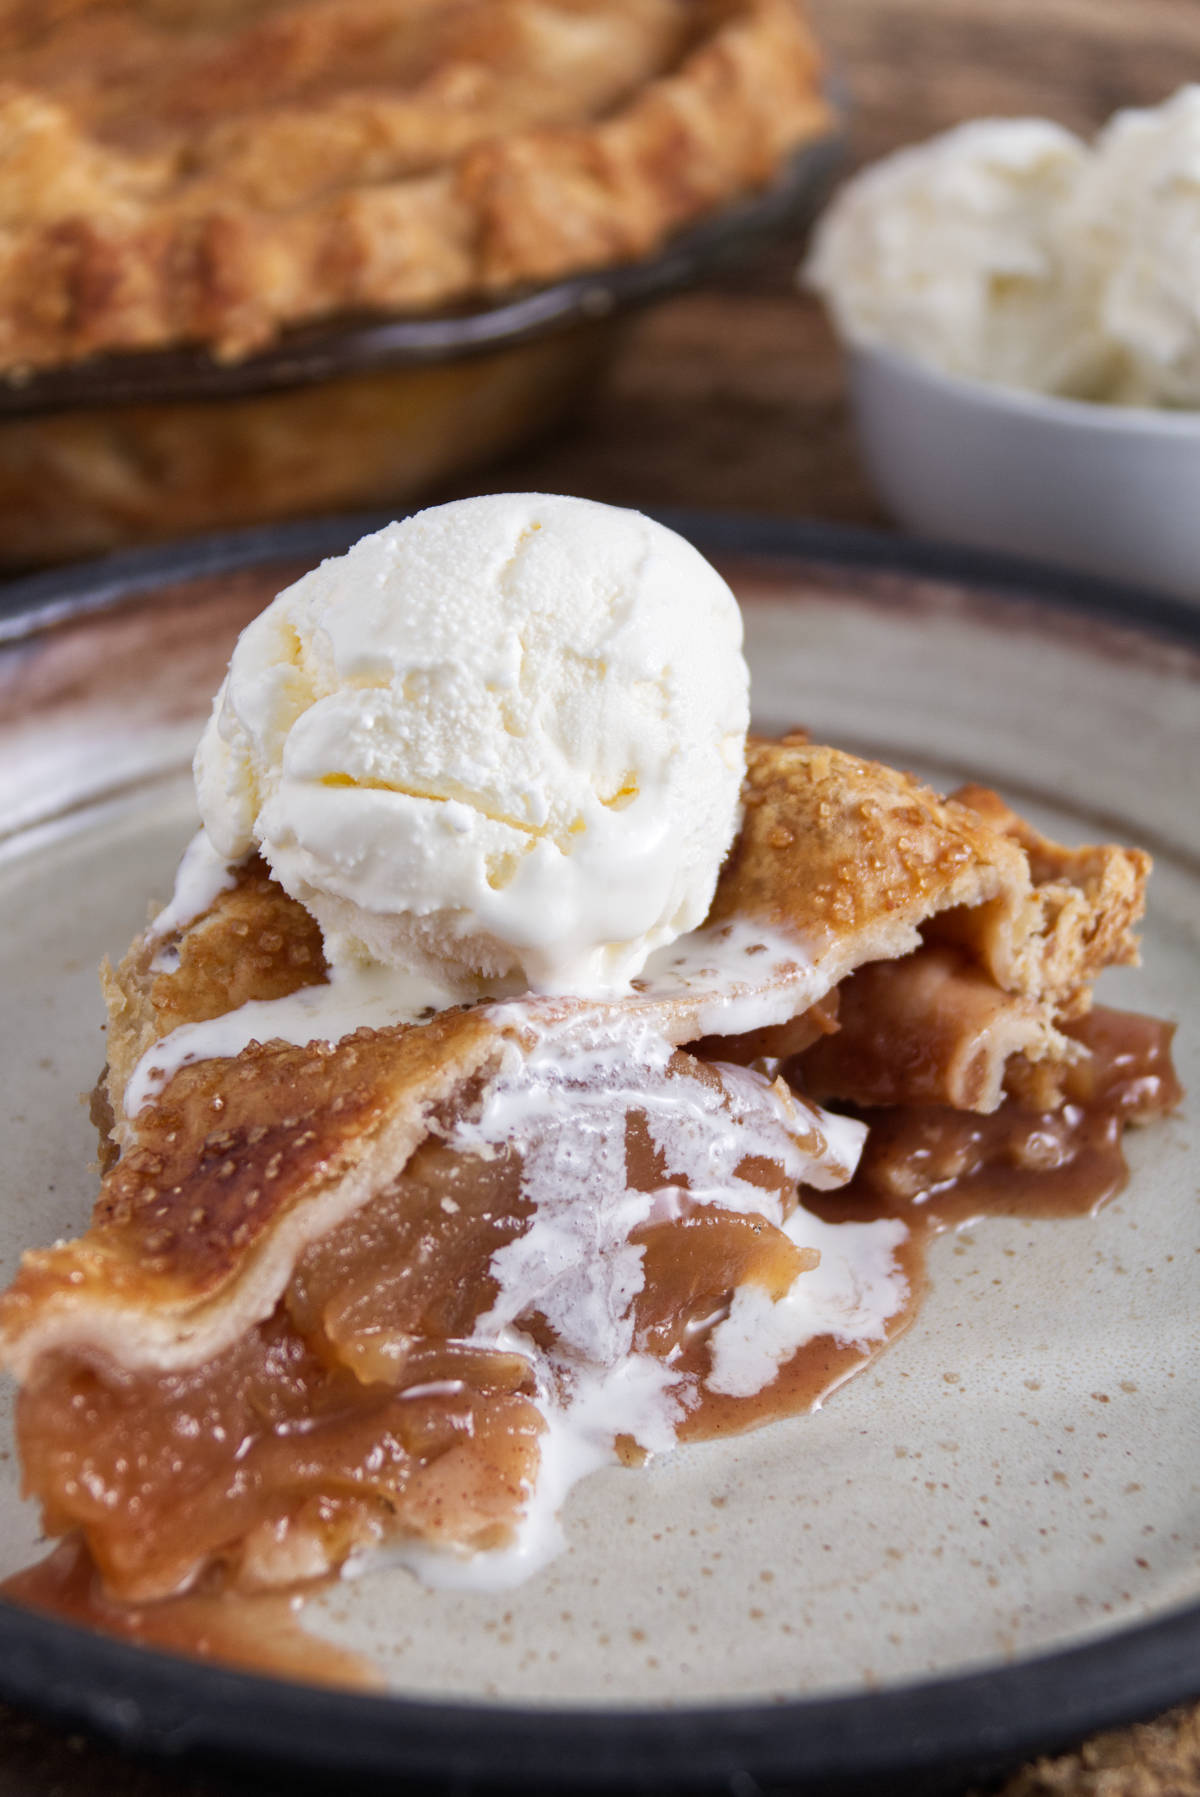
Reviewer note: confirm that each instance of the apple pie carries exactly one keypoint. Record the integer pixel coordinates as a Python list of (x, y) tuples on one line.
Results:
[(188, 174), (401, 1285)]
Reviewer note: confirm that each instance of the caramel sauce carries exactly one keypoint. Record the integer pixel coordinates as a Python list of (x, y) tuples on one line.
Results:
[(810, 1376), (258, 1632), (936, 1169), (939, 1168), (359, 1408)]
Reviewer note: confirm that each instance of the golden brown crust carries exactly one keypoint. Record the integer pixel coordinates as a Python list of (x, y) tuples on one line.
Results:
[(1078, 920), (180, 183), (236, 1169), (254, 942), (833, 846), (847, 850)]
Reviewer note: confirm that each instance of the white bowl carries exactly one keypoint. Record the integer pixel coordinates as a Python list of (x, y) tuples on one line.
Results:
[(1114, 490)]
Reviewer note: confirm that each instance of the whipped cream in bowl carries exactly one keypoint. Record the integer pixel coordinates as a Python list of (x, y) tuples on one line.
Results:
[(1021, 319)]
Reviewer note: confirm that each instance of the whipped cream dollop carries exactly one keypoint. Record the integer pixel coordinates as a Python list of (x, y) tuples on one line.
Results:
[(952, 251), (1011, 251), (501, 741), (1136, 222)]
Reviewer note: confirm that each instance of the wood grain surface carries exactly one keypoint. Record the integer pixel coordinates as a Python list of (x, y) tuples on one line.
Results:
[(731, 396)]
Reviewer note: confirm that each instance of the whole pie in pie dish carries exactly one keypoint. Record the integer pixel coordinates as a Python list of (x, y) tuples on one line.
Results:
[(190, 174), (403, 1228)]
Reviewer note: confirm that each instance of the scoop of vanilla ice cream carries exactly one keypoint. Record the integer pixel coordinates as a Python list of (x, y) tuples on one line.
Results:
[(952, 252), (502, 740), (1136, 220)]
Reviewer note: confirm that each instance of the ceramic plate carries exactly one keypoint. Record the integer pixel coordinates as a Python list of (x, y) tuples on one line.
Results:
[(988, 1542)]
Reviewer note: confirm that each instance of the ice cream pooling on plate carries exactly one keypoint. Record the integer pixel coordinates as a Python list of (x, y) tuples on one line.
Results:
[(500, 741)]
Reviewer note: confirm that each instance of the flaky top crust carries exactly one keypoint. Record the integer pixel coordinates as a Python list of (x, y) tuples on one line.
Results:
[(847, 850), (214, 175), (240, 1163)]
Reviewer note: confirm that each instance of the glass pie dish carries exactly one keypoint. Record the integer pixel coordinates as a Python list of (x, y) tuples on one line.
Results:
[(135, 448)]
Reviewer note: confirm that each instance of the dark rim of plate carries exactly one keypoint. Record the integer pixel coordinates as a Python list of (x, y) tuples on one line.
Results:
[(356, 345), (32, 602), (921, 1737)]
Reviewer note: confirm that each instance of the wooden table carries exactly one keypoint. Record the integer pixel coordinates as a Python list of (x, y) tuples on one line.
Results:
[(731, 396)]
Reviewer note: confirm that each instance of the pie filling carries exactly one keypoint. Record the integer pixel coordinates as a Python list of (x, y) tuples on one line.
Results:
[(558, 1265), (476, 1319), (949, 1166)]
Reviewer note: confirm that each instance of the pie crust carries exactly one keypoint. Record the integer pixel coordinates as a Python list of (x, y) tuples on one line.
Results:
[(186, 174)]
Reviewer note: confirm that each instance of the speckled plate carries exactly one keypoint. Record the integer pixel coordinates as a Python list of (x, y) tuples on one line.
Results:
[(988, 1543)]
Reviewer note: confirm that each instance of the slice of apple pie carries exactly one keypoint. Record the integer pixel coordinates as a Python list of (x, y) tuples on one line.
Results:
[(402, 1284)]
